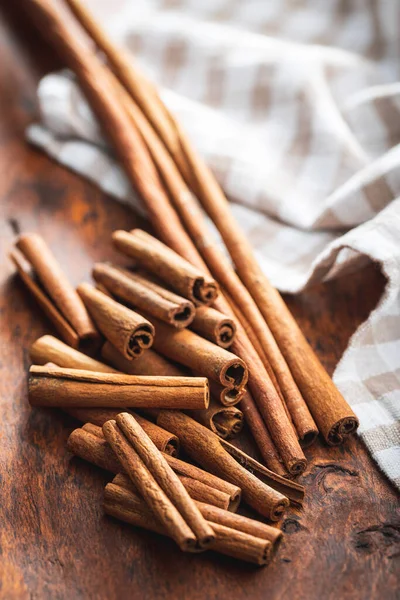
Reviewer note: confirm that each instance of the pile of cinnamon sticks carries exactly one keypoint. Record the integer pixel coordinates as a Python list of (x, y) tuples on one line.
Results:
[(214, 327)]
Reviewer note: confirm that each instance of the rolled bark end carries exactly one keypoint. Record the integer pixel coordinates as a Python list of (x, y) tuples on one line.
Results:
[(341, 429), (204, 292), (183, 316), (297, 467), (226, 334), (308, 438), (140, 340), (230, 397), (228, 422), (279, 509), (234, 374)]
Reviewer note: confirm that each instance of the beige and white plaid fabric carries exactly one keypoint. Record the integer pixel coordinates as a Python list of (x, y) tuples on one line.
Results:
[(296, 107)]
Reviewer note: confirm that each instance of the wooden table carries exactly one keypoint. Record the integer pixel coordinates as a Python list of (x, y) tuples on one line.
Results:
[(54, 540)]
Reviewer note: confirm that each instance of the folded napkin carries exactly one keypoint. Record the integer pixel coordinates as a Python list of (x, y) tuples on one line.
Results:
[(296, 108)]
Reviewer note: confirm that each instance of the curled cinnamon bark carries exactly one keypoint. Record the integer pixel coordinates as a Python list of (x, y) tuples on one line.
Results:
[(225, 421), (75, 388), (215, 326), (167, 265), (200, 355), (50, 349), (226, 396), (125, 329), (151, 363), (45, 279), (94, 419), (157, 482), (144, 294), (125, 505), (204, 447)]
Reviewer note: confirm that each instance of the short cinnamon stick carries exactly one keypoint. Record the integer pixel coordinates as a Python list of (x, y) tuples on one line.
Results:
[(214, 326), (157, 258), (125, 329), (145, 464), (94, 419), (74, 388), (200, 355), (50, 349), (125, 505), (146, 295), (204, 447), (226, 396)]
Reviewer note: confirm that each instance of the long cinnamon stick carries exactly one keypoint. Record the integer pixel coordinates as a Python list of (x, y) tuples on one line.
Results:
[(157, 482), (157, 258), (146, 295), (125, 505), (203, 446), (142, 173), (90, 444), (151, 363), (225, 421), (217, 515), (74, 388), (125, 329), (200, 355)]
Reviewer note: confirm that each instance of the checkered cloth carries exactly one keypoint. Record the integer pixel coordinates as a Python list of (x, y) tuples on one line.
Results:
[(296, 107)]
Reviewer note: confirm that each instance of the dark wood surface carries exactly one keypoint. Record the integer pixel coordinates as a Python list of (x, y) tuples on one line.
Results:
[(55, 542)]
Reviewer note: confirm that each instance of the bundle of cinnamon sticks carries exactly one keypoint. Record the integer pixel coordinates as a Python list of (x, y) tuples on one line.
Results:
[(179, 325)]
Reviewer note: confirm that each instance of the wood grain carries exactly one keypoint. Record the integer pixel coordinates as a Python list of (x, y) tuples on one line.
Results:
[(344, 544)]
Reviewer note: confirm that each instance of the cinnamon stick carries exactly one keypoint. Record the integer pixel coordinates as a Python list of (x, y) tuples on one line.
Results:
[(200, 355), (214, 326), (156, 498), (50, 349), (225, 421), (204, 447), (151, 363), (45, 279), (125, 505), (94, 419), (217, 515), (125, 329), (75, 388), (156, 481), (129, 146), (89, 444), (261, 435), (157, 258), (226, 396), (146, 295)]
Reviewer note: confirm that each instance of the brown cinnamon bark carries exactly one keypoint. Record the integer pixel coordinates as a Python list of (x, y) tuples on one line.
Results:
[(200, 355), (129, 146), (94, 419), (293, 490), (75, 388), (127, 506), (128, 331), (154, 496), (157, 482), (157, 258), (204, 447), (226, 396), (261, 435), (225, 421), (92, 447), (151, 363), (215, 326), (146, 295), (44, 278), (217, 515), (50, 349)]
